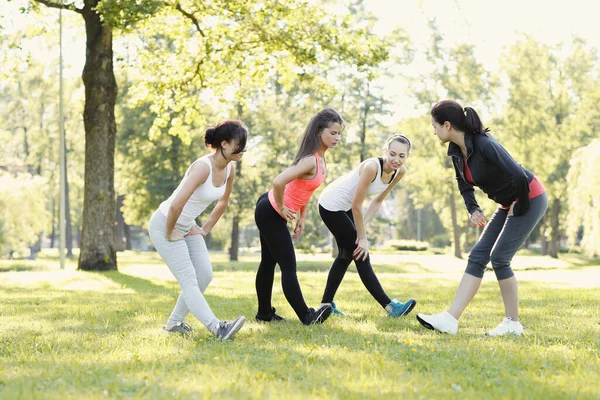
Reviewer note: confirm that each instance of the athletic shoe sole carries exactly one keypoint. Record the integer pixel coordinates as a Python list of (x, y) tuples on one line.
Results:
[(179, 330), (410, 308), (325, 313), (267, 321), (425, 323), (429, 326), (237, 325)]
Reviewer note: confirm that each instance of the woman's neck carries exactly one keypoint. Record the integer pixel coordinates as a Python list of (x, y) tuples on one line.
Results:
[(321, 151), (458, 138), (219, 160)]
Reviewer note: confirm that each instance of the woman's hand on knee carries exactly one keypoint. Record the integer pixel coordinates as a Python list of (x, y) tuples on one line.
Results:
[(362, 249), (196, 230), (477, 218), (174, 236)]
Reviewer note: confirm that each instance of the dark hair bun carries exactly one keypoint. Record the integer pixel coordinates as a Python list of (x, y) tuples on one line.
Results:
[(209, 137)]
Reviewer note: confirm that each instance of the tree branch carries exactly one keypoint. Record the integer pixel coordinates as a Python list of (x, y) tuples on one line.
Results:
[(190, 17), (52, 4)]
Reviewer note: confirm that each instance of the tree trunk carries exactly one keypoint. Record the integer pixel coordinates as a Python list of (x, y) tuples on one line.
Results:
[(120, 242), (554, 229), (235, 239), (363, 132), (53, 232), (98, 250), (127, 233), (543, 238), (78, 235), (68, 225), (235, 225), (455, 227)]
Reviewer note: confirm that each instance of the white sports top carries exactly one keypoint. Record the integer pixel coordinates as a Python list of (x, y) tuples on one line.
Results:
[(338, 195), (202, 197)]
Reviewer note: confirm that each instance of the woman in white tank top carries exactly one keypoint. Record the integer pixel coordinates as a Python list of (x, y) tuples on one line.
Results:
[(180, 242), (340, 207)]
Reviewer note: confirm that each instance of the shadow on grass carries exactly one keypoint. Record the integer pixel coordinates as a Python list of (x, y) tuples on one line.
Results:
[(322, 266), (140, 285), (22, 267)]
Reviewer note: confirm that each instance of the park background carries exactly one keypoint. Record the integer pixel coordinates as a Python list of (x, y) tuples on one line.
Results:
[(161, 72)]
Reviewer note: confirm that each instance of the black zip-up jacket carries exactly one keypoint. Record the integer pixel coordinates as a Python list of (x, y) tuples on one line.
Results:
[(494, 171)]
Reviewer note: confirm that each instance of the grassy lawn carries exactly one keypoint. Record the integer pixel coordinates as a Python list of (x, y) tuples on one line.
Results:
[(69, 334)]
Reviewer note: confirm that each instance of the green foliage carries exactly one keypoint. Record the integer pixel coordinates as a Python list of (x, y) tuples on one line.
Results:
[(549, 114), (22, 211), (231, 47), (453, 73), (124, 14), (584, 205), (29, 120)]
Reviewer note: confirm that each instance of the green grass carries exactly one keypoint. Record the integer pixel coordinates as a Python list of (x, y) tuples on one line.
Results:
[(69, 334)]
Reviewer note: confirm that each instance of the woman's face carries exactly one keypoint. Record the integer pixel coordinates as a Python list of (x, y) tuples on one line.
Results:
[(331, 135), (442, 131), (396, 154), (228, 149)]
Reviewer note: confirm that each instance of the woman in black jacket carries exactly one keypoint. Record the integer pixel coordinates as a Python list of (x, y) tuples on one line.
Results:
[(479, 160)]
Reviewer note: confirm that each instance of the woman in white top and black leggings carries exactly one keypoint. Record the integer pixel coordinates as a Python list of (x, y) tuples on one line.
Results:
[(340, 207), (180, 242)]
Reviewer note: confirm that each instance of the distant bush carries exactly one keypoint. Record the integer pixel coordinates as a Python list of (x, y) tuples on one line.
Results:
[(440, 240), (571, 250), (406, 245)]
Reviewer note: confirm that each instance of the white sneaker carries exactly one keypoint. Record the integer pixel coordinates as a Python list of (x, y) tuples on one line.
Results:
[(442, 322), (508, 326)]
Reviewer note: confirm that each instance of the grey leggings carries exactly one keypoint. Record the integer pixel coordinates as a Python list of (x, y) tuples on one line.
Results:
[(188, 261), (502, 237)]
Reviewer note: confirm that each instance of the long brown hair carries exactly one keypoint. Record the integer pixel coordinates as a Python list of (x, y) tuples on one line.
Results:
[(310, 140)]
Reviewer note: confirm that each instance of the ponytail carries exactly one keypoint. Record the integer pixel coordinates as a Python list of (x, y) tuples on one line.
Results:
[(465, 120), (473, 123)]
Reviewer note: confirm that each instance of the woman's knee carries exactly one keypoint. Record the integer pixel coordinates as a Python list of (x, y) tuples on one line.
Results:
[(501, 265), (475, 268), (204, 279), (345, 254)]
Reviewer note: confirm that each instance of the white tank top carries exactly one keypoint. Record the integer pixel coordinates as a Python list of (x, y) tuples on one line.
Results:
[(339, 194), (202, 197)]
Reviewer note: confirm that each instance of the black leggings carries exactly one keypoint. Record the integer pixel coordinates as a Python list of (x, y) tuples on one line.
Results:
[(341, 225), (276, 248)]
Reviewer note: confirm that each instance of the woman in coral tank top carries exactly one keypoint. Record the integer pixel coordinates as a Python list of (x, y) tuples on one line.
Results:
[(292, 189)]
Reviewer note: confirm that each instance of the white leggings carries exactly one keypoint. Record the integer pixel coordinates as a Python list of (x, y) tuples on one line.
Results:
[(188, 261)]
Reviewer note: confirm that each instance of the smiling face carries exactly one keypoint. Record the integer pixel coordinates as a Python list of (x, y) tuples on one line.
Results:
[(442, 131), (396, 154), (331, 135)]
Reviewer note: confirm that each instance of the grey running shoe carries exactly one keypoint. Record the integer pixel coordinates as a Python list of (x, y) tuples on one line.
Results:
[(228, 329), (180, 327)]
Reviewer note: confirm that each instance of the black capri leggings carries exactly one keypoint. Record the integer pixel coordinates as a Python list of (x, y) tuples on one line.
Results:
[(276, 248), (341, 225)]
